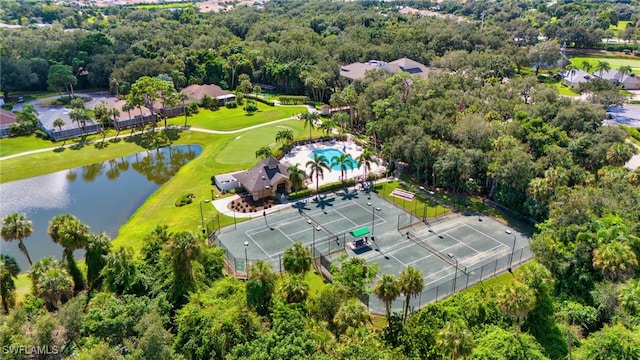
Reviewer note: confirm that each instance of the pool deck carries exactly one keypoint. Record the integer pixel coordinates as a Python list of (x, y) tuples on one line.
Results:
[(302, 154)]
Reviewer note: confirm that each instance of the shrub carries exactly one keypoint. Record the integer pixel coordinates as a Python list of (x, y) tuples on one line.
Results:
[(184, 200), (231, 105), (259, 99), (292, 100), (41, 134), (250, 108), (7, 106)]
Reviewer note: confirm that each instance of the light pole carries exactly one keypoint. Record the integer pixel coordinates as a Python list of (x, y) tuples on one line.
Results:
[(373, 220), (513, 248), (313, 241), (456, 274), (246, 258), (206, 201), (235, 224)]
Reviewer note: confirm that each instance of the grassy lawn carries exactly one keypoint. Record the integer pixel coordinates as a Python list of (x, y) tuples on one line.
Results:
[(315, 281), (564, 89), (195, 177), (416, 206), (613, 62), (233, 119), (165, 6), (10, 146)]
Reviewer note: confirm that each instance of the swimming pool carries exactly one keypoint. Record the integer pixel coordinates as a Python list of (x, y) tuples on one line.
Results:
[(330, 154)]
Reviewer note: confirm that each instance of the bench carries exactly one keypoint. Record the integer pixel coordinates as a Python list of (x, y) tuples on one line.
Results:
[(403, 194)]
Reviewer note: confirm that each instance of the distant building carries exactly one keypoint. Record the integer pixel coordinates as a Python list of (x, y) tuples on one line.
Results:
[(628, 81), (576, 77), (227, 182), (128, 119), (266, 179), (356, 71), (7, 118), (195, 93), (70, 129)]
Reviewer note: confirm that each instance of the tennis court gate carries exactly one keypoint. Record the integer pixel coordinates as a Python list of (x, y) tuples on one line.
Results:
[(322, 251), (464, 277)]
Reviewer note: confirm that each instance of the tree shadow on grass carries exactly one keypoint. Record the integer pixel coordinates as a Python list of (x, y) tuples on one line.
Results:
[(115, 140), (58, 150), (78, 146), (155, 139), (101, 145)]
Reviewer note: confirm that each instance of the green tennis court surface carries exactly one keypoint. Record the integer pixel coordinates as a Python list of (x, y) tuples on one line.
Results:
[(479, 246)]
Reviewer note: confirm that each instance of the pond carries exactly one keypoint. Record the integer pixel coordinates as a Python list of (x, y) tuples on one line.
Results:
[(102, 195)]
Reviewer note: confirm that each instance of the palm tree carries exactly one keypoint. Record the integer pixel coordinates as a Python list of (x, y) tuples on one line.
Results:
[(183, 249), (516, 300), (351, 314), (262, 273), (98, 247), (455, 340), (586, 66), (51, 282), (310, 120), (9, 270), (294, 289), (297, 259), (410, 283), (602, 66), (629, 297), (264, 152), (619, 153), (625, 70), (284, 136), (345, 162), (364, 160), (616, 260), (182, 97), (128, 106), (71, 234), (387, 290), (81, 117), (16, 226), (114, 112), (296, 176), (59, 123), (571, 71), (341, 118), (317, 166), (327, 126)]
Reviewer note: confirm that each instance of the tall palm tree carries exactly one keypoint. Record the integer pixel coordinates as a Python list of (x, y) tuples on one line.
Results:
[(625, 70), (296, 176), (294, 289), (455, 340), (345, 162), (616, 260), (351, 314), (619, 153), (81, 117), (114, 112), (16, 226), (602, 66), (571, 71), (516, 300), (128, 106), (9, 270), (182, 97), (98, 247), (586, 66), (297, 259), (183, 249), (262, 273), (317, 167), (284, 136), (309, 120), (411, 283), (341, 118), (364, 160), (59, 123), (387, 290), (51, 282), (71, 234)]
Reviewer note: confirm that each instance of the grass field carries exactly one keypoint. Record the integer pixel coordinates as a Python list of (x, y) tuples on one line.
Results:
[(232, 119), (613, 62), (10, 146), (416, 206), (564, 89)]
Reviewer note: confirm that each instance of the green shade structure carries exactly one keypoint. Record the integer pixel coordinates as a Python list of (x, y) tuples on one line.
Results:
[(360, 232)]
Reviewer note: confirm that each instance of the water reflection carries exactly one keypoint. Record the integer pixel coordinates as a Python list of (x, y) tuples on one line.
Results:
[(101, 195)]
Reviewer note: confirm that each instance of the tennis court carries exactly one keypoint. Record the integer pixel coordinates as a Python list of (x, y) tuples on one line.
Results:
[(451, 251)]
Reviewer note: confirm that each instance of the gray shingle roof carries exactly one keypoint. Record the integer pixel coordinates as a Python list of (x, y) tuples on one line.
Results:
[(266, 173)]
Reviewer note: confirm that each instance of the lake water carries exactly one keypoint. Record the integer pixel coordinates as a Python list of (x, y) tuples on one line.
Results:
[(102, 195)]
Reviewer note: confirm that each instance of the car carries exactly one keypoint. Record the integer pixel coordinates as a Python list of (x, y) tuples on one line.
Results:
[(20, 99)]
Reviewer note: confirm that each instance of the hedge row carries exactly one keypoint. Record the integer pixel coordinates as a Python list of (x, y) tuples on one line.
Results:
[(292, 100), (323, 188), (259, 99)]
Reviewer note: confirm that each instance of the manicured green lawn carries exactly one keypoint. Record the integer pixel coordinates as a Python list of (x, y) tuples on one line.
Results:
[(10, 146), (416, 206), (233, 119), (315, 281), (23, 285), (613, 62)]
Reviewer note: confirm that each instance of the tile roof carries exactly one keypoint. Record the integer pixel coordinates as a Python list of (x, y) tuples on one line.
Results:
[(7, 117)]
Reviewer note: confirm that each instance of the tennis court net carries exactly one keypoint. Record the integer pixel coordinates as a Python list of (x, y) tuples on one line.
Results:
[(429, 248)]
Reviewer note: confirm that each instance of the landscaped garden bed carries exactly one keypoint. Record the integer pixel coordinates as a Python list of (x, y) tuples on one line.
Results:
[(246, 204)]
